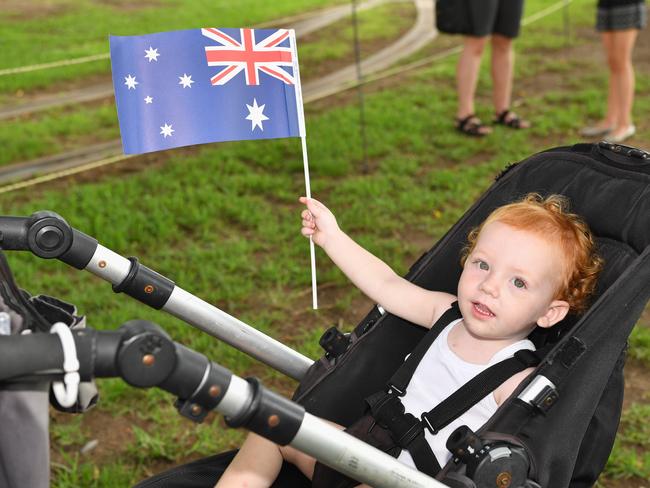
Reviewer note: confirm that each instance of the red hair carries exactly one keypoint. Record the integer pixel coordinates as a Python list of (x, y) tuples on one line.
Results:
[(549, 218)]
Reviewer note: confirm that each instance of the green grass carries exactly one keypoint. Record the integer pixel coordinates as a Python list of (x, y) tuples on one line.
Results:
[(57, 130), (222, 221), (631, 455), (640, 344)]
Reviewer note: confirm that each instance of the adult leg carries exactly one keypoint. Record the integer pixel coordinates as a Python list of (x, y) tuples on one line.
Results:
[(503, 61), (610, 120), (619, 59), (467, 72)]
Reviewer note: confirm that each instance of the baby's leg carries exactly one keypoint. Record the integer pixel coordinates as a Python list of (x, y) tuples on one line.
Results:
[(304, 462), (256, 465)]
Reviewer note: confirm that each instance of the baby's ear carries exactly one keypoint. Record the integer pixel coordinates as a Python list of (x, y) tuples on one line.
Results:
[(556, 311)]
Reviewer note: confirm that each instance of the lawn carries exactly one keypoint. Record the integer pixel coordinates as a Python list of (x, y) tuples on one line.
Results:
[(222, 220)]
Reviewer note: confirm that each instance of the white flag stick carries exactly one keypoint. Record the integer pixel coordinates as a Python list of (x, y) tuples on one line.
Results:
[(305, 159)]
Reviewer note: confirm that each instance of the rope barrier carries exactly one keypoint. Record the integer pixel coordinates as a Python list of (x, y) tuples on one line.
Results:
[(61, 174), (54, 64)]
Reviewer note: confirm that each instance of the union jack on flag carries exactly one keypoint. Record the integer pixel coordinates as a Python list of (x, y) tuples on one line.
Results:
[(205, 85), (266, 55)]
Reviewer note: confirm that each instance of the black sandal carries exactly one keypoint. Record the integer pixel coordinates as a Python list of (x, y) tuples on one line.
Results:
[(472, 126), (510, 119)]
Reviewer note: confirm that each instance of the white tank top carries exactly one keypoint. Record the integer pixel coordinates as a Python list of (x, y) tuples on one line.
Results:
[(440, 373)]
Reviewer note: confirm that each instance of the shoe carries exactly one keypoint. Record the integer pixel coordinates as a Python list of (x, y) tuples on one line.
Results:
[(629, 132), (472, 126), (510, 119), (595, 131)]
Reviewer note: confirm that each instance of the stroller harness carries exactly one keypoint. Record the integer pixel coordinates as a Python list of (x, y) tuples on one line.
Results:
[(390, 428)]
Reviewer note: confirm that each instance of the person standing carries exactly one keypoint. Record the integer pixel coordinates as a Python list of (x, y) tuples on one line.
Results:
[(497, 21), (619, 21)]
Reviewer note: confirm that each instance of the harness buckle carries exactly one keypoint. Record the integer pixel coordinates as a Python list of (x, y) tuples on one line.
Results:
[(427, 424), (392, 388)]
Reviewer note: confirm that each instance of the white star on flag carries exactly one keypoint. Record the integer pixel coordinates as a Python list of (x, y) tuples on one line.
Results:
[(186, 81), (148, 99), (152, 54), (130, 82), (255, 115), (166, 130)]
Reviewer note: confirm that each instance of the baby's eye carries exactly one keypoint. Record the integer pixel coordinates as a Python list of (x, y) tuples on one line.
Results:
[(482, 265), (519, 283)]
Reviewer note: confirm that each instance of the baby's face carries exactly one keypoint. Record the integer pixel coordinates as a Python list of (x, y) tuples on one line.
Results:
[(509, 281)]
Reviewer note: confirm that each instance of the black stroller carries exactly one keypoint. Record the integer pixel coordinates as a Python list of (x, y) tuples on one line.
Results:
[(577, 390), (558, 428)]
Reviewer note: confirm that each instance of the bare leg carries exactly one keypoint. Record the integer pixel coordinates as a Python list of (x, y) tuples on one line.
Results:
[(503, 62), (619, 58), (467, 71), (611, 116), (256, 465)]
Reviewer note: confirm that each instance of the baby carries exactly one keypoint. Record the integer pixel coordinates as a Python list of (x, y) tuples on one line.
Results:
[(526, 266)]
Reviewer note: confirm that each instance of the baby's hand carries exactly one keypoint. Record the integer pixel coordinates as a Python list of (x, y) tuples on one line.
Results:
[(317, 221)]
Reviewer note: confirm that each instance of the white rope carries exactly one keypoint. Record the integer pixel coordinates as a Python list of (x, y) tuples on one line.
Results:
[(547, 11), (53, 64), (61, 174), (67, 391)]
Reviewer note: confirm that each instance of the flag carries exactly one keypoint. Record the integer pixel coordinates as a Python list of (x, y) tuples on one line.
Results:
[(205, 85)]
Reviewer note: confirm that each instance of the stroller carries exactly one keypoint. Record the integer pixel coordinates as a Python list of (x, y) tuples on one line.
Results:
[(576, 391)]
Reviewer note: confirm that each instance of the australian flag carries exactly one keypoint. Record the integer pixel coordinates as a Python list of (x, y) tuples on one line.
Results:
[(205, 85)]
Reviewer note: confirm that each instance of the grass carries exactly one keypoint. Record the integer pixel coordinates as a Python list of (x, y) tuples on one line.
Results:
[(221, 220), (631, 455)]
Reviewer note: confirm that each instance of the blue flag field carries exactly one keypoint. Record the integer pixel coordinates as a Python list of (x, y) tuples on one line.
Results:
[(205, 85)]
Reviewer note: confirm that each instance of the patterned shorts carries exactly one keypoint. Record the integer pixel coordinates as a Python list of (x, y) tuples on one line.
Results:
[(621, 17)]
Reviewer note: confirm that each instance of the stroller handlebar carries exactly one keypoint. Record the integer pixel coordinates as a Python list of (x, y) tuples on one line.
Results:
[(47, 235), (143, 355)]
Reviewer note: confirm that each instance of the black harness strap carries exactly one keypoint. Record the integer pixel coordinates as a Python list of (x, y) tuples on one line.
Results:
[(407, 430), (402, 377), (477, 388)]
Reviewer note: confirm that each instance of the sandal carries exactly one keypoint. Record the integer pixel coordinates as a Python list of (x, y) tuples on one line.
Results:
[(510, 119), (472, 126)]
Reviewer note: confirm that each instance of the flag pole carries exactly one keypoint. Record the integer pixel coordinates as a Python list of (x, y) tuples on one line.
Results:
[(305, 159)]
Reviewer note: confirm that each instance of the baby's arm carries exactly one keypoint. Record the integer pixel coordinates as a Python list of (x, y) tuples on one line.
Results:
[(503, 392), (369, 273)]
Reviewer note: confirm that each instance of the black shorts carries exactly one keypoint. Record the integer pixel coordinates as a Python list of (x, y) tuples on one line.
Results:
[(495, 17), (615, 15)]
